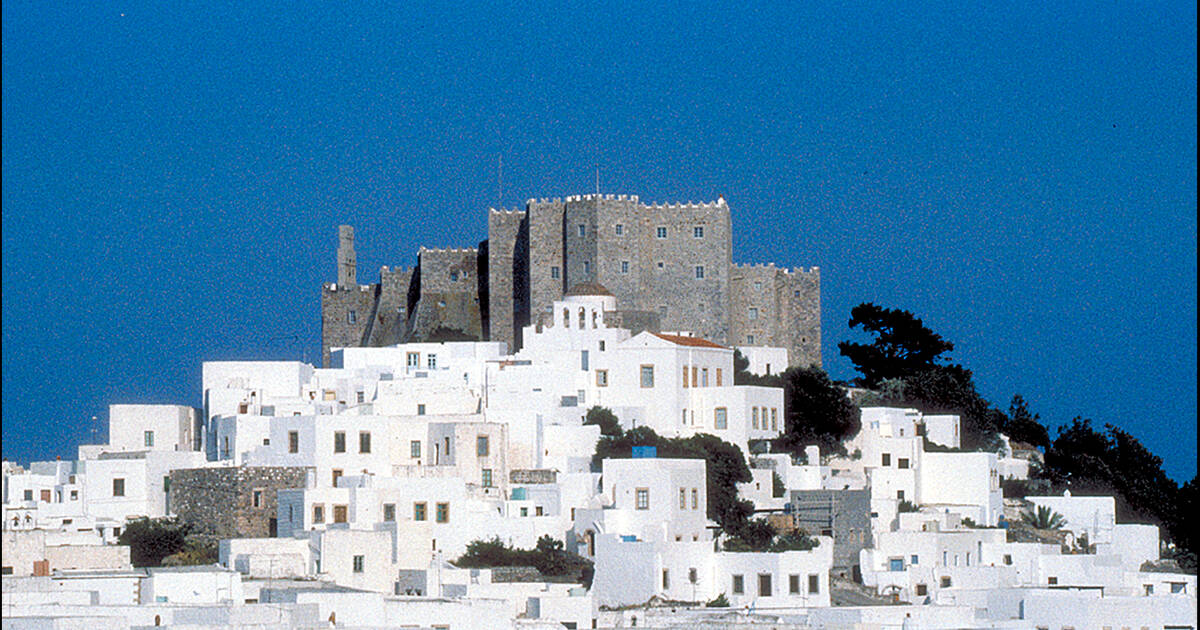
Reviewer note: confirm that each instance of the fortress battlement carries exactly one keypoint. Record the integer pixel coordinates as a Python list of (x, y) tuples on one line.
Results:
[(384, 270), (580, 198), (448, 250), (771, 266), (507, 211), (603, 197), (334, 288), (691, 205)]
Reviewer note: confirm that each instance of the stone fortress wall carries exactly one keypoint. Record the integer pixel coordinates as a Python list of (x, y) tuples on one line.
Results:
[(220, 502), (669, 265), (775, 306), (447, 294), (389, 318), (507, 230)]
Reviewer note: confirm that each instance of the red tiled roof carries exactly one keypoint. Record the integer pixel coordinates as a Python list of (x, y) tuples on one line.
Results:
[(695, 342)]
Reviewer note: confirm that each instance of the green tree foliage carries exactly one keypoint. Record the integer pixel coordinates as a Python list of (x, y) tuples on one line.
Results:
[(726, 467), (1184, 536), (795, 540), (777, 487), (195, 552), (816, 411), (902, 347), (752, 535), (1022, 425), (1044, 518), (741, 365), (548, 557), (151, 540), (489, 553), (605, 418), (1090, 463), (758, 536), (743, 376), (720, 601)]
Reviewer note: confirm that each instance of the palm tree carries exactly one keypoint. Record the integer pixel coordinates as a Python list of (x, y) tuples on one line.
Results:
[(1044, 518)]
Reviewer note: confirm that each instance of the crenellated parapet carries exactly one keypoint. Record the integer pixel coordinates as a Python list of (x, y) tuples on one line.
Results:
[(334, 287), (691, 206), (447, 250)]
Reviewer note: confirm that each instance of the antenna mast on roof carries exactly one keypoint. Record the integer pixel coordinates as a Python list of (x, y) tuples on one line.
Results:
[(597, 179)]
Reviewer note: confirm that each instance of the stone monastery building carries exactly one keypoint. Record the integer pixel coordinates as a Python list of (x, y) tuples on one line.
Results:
[(669, 266)]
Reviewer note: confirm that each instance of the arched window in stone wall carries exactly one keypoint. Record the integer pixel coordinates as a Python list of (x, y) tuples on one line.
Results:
[(582, 318), (566, 318), (595, 317)]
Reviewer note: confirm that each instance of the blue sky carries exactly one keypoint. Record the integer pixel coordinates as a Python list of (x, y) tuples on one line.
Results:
[(1022, 178)]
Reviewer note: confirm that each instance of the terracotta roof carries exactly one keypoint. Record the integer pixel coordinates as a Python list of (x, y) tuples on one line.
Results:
[(589, 288), (696, 342)]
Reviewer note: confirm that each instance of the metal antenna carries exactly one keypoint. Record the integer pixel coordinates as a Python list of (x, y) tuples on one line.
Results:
[(597, 179)]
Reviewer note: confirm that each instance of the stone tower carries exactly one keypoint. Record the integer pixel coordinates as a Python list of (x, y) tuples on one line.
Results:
[(346, 307), (347, 274)]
